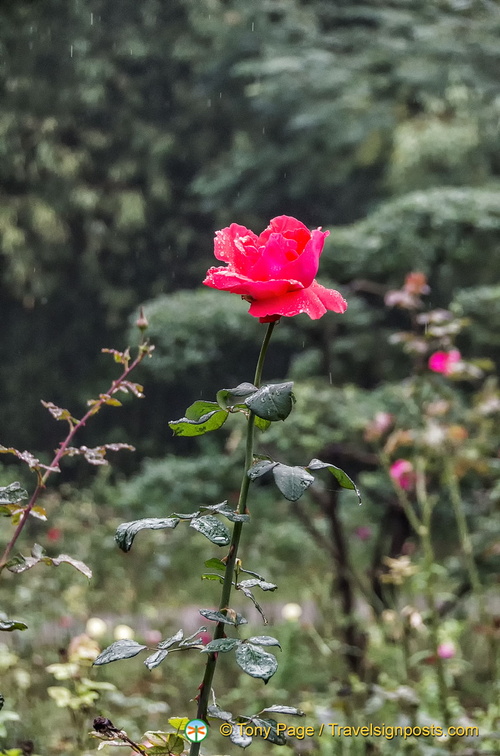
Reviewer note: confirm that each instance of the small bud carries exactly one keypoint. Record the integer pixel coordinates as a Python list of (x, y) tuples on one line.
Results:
[(142, 321), (105, 726)]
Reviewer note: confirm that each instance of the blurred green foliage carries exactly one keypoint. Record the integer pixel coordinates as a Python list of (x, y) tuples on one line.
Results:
[(128, 134)]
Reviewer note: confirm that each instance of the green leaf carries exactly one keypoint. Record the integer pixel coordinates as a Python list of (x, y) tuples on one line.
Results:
[(65, 559), (255, 661), (155, 659), (178, 723), (21, 564), (264, 640), (12, 493), (226, 511), (278, 709), (9, 625), (107, 743), (215, 564), (251, 572), (25, 456), (191, 639), (197, 410), (261, 468), (342, 478), (272, 402), (261, 424), (212, 528), (212, 576), (257, 582), (239, 738), (221, 644), (292, 481), (269, 725), (97, 454), (164, 743), (230, 397), (127, 531), (58, 413), (211, 421), (248, 593), (219, 617), (215, 711), (170, 641), (120, 649)]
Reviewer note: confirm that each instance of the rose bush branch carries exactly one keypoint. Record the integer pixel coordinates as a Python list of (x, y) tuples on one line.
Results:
[(205, 687), (95, 456)]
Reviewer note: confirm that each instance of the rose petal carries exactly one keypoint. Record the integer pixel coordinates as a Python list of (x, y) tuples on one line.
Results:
[(305, 267), (287, 226), (228, 280), (443, 362), (331, 298), (237, 246), (274, 258), (314, 301)]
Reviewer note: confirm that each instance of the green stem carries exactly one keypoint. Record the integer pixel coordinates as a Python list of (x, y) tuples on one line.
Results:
[(472, 571), (463, 531), (206, 685), (425, 532)]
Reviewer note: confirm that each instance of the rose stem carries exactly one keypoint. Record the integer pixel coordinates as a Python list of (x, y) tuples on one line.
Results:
[(206, 685)]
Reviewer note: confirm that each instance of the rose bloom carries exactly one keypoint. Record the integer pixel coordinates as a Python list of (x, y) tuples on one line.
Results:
[(446, 650), (403, 474), (275, 271), (444, 362)]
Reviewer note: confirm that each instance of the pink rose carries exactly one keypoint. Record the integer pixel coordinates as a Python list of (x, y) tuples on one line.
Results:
[(446, 650), (403, 474), (274, 271), (444, 362)]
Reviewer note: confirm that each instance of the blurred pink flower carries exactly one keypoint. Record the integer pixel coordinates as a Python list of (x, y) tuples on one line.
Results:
[(65, 621), (403, 474), (54, 534), (444, 362), (152, 636), (446, 650), (378, 426), (364, 533), (204, 637)]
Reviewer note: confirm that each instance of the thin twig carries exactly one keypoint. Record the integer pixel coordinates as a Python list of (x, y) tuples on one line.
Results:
[(144, 349)]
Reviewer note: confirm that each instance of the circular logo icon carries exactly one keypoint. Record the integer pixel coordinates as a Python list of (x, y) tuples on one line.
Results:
[(196, 730)]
